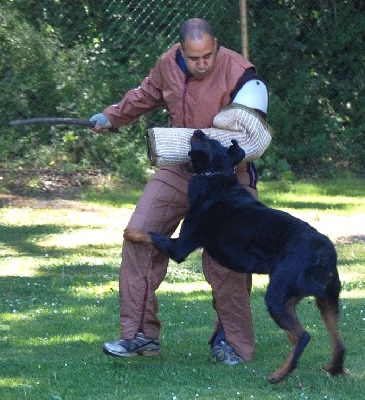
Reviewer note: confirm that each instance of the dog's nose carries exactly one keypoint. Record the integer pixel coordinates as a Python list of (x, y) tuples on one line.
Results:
[(199, 134), (197, 139)]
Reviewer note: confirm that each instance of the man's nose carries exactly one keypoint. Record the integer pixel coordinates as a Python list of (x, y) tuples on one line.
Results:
[(200, 63)]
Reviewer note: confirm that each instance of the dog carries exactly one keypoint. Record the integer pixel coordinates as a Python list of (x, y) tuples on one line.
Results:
[(246, 236)]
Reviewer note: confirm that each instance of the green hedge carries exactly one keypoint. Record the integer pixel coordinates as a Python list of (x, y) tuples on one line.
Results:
[(74, 58)]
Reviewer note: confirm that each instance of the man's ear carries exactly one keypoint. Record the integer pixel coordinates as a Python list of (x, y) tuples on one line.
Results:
[(235, 153)]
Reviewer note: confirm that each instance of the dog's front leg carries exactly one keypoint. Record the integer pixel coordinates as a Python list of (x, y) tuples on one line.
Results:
[(161, 242), (165, 244), (178, 249), (175, 249)]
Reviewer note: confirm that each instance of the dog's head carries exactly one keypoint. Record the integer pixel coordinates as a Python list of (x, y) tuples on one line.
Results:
[(208, 155)]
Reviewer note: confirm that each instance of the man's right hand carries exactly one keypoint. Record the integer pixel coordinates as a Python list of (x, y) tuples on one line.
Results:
[(101, 122)]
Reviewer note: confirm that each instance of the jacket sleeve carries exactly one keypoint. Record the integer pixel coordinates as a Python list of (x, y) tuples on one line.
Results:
[(145, 98)]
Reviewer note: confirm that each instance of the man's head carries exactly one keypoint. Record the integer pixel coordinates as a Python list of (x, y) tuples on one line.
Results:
[(198, 47)]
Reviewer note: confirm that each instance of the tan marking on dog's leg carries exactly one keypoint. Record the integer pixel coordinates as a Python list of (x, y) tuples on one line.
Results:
[(295, 336), (284, 370), (137, 237), (281, 373), (330, 318)]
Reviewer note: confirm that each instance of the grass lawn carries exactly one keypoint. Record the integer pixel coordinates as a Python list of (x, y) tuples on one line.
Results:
[(59, 263)]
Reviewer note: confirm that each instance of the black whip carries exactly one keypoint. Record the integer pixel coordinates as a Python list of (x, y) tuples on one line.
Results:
[(53, 121)]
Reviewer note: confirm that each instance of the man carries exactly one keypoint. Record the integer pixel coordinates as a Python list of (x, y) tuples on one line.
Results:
[(194, 80)]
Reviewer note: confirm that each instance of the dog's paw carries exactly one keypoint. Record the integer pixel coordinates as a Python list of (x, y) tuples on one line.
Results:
[(161, 242), (167, 246), (135, 236), (334, 370)]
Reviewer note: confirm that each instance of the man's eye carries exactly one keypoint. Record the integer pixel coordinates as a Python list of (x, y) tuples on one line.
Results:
[(194, 58), (207, 57)]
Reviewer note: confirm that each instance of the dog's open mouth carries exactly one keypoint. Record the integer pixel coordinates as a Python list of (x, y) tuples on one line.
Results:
[(198, 139), (198, 134)]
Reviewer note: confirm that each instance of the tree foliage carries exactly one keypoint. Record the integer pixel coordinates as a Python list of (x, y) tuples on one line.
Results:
[(310, 53), (66, 58)]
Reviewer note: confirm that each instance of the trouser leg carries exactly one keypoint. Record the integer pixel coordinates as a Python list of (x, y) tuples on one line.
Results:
[(160, 208), (231, 300), (141, 272)]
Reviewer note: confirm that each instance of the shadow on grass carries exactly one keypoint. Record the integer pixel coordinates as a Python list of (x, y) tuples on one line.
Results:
[(22, 239), (336, 194), (120, 197), (330, 187), (303, 205)]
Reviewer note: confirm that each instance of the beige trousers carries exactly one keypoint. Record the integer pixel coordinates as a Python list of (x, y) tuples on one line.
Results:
[(161, 207)]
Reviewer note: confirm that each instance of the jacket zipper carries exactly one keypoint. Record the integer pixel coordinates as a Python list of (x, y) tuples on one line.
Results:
[(186, 83)]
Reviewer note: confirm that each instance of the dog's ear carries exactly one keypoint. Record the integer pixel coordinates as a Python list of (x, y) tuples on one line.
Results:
[(235, 153)]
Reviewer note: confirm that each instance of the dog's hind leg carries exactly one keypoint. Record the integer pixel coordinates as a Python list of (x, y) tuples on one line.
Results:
[(285, 316), (291, 362), (328, 308)]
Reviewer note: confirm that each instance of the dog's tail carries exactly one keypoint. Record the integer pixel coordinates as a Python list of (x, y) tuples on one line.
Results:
[(321, 275)]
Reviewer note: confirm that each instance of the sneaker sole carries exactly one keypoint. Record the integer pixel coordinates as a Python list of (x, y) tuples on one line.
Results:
[(144, 353), (150, 353), (226, 362)]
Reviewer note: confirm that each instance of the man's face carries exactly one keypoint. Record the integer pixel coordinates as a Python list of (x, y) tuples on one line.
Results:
[(200, 55)]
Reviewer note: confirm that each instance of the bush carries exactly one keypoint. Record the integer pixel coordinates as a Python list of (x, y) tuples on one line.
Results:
[(42, 78), (74, 58)]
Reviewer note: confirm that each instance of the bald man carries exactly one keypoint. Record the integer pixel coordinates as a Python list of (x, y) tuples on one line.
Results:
[(193, 80)]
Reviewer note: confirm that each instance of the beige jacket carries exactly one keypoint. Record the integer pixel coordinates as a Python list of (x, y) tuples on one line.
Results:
[(191, 103)]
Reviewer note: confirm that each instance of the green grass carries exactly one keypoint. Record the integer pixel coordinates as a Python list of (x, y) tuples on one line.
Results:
[(340, 196), (59, 303)]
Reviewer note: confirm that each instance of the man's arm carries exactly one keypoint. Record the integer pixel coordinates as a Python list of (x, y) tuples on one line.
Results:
[(139, 101)]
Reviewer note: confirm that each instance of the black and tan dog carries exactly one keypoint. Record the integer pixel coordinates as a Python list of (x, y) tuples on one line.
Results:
[(244, 235)]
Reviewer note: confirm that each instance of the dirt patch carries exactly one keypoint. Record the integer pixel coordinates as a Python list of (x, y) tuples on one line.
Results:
[(47, 182), (47, 188), (44, 203), (339, 228)]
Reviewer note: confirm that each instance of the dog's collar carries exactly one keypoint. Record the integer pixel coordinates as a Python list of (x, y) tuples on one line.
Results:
[(215, 173)]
